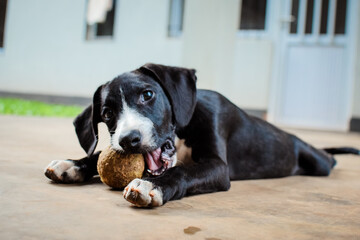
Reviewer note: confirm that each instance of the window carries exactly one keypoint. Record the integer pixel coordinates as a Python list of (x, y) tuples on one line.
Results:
[(324, 16), (100, 19), (340, 16), (253, 14), (176, 18), (295, 14), (3, 4), (309, 17)]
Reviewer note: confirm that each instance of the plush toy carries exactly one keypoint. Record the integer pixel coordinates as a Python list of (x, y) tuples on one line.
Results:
[(117, 170)]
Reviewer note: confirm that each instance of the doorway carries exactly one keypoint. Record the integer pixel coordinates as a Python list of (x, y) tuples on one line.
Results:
[(313, 72)]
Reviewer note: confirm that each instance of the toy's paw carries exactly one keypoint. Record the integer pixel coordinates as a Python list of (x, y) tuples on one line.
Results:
[(143, 193), (64, 171)]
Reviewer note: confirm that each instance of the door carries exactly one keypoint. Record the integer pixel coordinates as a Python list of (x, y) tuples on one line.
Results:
[(313, 91)]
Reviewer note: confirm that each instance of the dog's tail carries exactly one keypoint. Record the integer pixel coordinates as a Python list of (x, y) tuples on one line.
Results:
[(342, 150)]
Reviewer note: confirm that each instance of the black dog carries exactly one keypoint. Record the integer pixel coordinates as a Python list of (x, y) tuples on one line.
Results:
[(193, 141)]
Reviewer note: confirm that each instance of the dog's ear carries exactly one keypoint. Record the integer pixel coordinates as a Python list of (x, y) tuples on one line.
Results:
[(179, 85), (86, 124)]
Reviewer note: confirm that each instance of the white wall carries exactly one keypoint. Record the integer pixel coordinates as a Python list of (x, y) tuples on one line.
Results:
[(356, 88), (356, 97), (209, 40), (46, 52), (238, 67), (250, 86)]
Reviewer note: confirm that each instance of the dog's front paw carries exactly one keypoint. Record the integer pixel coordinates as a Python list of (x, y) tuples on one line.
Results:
[(143, 193), (64, 171)]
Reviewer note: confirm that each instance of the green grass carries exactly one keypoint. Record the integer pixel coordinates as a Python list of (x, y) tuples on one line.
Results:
[(12, 106)]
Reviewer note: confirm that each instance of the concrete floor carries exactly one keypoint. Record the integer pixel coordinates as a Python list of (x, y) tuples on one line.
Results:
[(31, 207)]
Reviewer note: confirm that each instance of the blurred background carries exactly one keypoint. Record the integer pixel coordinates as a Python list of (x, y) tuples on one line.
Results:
[(295, 63)]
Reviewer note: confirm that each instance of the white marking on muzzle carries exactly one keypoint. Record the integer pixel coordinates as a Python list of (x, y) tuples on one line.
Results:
[(130, 120)]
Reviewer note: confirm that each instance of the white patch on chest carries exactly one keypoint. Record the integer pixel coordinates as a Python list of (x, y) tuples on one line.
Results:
[(183, 153)]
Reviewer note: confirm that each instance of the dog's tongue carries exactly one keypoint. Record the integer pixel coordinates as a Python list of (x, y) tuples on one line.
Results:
[(153, 159)]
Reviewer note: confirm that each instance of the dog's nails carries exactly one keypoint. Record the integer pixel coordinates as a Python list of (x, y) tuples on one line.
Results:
[(126, 188), (152, 194), (135, 190)]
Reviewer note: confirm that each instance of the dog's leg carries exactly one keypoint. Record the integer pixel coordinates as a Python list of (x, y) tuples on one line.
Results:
[(177, 182), (72, 171), (312, 161)]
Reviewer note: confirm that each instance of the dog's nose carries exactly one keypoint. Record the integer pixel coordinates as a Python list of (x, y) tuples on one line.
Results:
[(131, 141)]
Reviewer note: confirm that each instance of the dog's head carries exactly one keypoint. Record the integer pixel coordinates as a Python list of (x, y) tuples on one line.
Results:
[(141, 109)]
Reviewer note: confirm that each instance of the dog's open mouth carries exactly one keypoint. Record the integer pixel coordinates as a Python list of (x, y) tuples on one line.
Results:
[(159, 160)]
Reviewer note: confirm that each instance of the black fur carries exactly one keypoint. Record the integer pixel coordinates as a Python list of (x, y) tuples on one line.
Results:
[(179, 86), (342, 150), (86, 124), (227, 144)]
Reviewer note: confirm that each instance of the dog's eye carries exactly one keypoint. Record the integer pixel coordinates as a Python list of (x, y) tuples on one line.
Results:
[(107, 114), (147, 95)]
